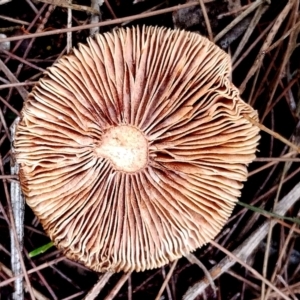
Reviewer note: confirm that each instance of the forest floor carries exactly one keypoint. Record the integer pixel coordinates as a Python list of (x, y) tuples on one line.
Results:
[(257, 252)]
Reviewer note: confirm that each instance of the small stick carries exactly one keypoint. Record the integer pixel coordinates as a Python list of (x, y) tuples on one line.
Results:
[(96, 289), (103, 23), (207, 22), (168, 290), (9, 177), (22, 60), (253, 271), (285, 57), (238, 19), (2, 17), (129, 289), (17, 203), (271, 132), (117, 287), (10, 107), (32, 6), (9, 273), (242, 252), (110, 9), (194, 260), (287, 287), (166, 280), (233, 12), (3, 122), (280, 258), (17, 84), (67, 4), (33, 270), (12, 78), (69, 25), (32, 23), (95, 18), (282, 94), (267, 42), (250, 48), (258, 14), (153, 8), (283, 37), (284, 159)]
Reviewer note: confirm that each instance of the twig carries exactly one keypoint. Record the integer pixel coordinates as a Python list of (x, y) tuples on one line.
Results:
[(2, 17), (94, 292), (239, 18), (295, 287), (260, 11), (153, 8), (33, 22), (40, 28), (206, 19), (285, 57), (95, 18), (74, 296), (109, 8), (271, 132), (168, 290), (194, 260), (65, 277), (17, 203), (32, 6), (69, 5), (69, 25), (253, 44), (9, 106), (285, 90), (162, 288), (292, 159), (17, 84), (104, 23), (13, 228), (283, 37), (253, 271), (233, 12), (42, 278), (12, 78), (270, 164), (24, 61), (251, 284), (287, 240), (246, 248), (266, 45), (42, 266), (269, 236), (118, 286), (284, 172), (9, 177), (287, 287), (8, 272), (129, 289), (148, 279)]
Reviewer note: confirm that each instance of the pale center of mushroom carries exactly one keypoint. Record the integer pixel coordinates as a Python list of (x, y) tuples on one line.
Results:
[(126, 147)]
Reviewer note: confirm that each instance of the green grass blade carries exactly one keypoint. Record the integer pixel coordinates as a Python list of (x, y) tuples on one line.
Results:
[(271, 214), (41, 249)]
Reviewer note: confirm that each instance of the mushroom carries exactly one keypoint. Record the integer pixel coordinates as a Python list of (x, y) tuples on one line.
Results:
[(133, 149)]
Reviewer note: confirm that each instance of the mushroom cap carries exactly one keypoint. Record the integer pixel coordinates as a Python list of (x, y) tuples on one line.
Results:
[(133, 149)]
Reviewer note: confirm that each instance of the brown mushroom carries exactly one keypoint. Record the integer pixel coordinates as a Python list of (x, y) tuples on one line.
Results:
[(132, 150)]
